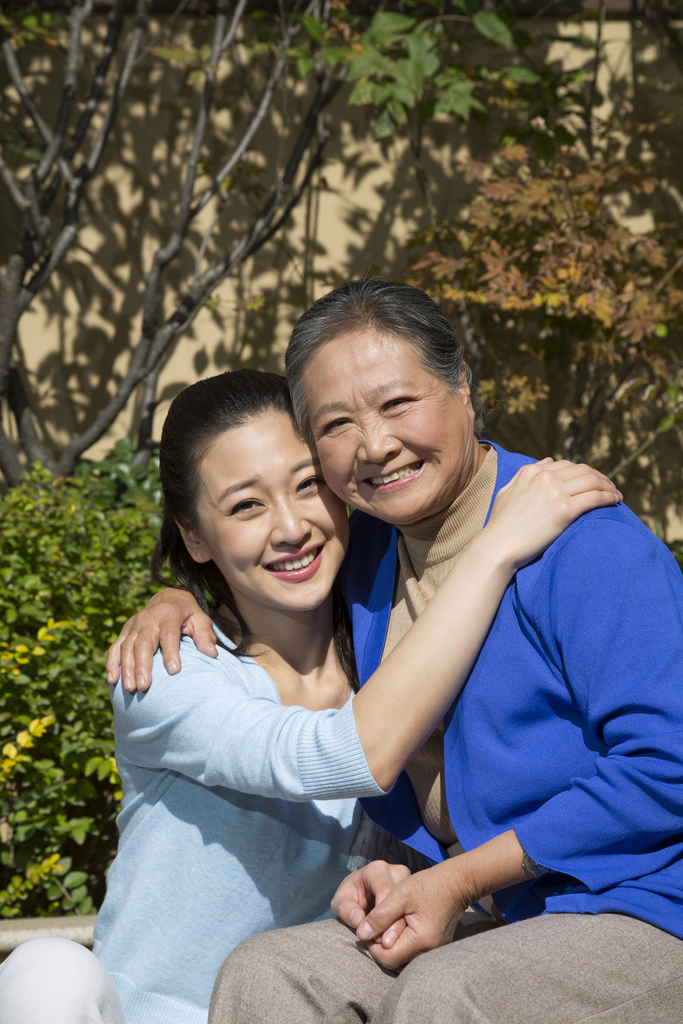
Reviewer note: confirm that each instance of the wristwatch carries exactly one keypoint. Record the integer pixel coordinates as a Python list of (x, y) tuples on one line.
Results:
[(533, 867)]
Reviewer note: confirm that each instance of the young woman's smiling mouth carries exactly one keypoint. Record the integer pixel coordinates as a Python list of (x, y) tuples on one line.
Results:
[(297, 568), (397, 478)]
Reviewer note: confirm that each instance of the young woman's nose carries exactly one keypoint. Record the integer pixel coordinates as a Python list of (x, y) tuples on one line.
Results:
[(289, 527)]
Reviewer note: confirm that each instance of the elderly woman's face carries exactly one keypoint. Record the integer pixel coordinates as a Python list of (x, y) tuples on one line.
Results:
[(393, 440)]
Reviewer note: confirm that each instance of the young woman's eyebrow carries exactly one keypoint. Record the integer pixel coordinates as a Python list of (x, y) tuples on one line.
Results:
[(305, 465), (232, 488)]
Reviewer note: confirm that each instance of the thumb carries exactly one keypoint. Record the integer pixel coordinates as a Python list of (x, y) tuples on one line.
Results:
[(387, 913)]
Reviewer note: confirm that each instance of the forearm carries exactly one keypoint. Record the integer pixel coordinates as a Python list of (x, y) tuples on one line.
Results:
[(488, 868), (410, 692)]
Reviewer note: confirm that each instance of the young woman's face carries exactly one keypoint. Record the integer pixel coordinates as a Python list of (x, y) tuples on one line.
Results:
[(267, 518), (393, 440)]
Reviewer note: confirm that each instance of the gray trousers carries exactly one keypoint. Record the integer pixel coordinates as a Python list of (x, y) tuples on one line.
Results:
[(555, 969)]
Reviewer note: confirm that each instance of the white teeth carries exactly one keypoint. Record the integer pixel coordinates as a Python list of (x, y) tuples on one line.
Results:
[(398, 475), (296, 563)]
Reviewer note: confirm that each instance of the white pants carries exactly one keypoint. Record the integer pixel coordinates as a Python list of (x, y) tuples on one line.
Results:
[(56, 981)]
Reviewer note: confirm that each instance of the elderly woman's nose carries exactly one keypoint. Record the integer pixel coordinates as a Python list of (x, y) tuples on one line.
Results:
[(378, 443)]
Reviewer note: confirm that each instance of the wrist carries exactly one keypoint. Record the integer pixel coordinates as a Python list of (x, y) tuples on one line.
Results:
[(492, 553)]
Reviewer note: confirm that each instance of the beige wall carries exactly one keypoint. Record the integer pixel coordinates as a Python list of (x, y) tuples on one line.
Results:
[(358, 219)]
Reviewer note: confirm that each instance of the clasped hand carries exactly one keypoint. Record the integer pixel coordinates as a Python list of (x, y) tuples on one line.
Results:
[(399, 915)]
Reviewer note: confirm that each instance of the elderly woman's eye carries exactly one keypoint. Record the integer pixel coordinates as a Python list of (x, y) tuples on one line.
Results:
[(332, 425)]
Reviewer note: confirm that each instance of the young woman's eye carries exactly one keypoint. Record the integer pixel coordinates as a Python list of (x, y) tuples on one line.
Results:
[(248, 505), (311, 483)]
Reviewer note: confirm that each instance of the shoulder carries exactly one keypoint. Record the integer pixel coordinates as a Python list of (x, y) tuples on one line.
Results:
[(200, 677), (604, 562)]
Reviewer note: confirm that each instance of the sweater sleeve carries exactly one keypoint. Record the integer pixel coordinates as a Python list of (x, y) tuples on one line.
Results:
[(208, 724), (610, 614)]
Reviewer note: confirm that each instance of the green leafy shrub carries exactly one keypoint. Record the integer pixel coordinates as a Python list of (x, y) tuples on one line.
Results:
[(74, 566)]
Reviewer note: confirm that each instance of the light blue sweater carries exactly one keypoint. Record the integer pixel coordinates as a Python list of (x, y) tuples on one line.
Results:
[(237, 817)]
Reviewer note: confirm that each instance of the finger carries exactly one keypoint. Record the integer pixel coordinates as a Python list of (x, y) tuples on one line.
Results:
[(170, 629), (406, 947), (145, 647), (114, 657), (395, 905), (350, 912), (389, 937), (128, 660), (201, 631)]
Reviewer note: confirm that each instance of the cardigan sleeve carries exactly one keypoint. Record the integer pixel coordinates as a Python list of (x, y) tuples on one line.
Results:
[(212, 724), (610, 615)]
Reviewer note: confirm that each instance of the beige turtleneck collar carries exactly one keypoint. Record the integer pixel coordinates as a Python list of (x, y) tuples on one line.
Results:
[(426, 553)]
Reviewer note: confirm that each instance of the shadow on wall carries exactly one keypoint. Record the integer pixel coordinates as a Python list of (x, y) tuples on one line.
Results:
[(357, 220)]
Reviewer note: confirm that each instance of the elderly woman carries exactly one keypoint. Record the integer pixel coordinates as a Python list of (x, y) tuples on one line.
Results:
[(552, 792)]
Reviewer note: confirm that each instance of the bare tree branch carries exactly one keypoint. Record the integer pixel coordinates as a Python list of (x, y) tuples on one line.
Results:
[(115, 24), (137, 36), (255, 123), (33, 447), (80, 12), (234, 25), (20, 201), (167, 252), (148, 406), (69, 230), (10, 288), (12, 469), (17, 80)]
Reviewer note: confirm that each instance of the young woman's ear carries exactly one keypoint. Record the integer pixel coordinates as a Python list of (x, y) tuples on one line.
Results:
[(196, 547)]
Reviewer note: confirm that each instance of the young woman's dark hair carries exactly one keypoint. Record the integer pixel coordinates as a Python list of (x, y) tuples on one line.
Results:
[(384, 308), (196, 418)]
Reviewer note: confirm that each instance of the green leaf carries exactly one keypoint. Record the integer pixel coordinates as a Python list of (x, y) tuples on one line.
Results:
[(397, 111), (490, 25), (173, 53), (666, 424), (381, 93), (525, 76), (423, 54), (315, 28), (74, 878), (408, 74), (458, 99), (361, 94), (384, 125), (333, 55), (661, 331), (386, 26), (544, 146), (369, 62)]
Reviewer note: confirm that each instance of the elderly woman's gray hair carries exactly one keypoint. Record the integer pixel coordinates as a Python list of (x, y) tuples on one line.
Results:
[(383, 308)]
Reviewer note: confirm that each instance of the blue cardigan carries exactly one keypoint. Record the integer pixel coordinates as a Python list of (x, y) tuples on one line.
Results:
[(570, 727)]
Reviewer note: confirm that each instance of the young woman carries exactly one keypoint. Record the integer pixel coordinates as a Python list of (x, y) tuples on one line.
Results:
[(240, 773)]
